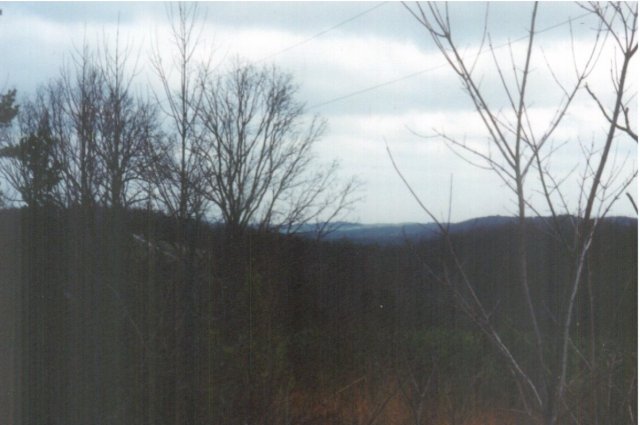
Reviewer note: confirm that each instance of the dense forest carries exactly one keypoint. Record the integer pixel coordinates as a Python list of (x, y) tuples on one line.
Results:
[(283, 329), (165, 259)]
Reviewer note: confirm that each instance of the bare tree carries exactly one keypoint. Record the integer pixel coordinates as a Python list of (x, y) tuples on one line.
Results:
[(68, 111), (83, 143), (517, 150), (620, 22), (97, 131), (73, 102), (177, 182), (77, 96), (257, 154), (175, 169), (128, 128)]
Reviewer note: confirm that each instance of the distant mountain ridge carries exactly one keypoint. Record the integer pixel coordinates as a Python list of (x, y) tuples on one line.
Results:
[(400, 232)]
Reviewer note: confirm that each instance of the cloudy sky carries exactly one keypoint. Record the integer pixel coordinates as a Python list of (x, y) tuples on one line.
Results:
[(373, 73)]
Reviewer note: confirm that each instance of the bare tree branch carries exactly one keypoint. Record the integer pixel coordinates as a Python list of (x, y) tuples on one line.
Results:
[(257, 155)]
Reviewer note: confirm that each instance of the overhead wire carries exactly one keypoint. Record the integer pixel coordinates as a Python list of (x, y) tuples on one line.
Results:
[(435, 67), (323, 32)]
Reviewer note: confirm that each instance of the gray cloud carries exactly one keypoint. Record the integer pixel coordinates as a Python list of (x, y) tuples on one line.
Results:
[(347, 75)]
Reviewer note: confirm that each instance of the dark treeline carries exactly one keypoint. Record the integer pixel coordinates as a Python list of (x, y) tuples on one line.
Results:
[(284, 329)]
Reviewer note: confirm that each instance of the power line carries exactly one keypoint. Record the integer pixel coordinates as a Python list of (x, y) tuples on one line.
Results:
[(441, 65), (377, 86), (323, 32)]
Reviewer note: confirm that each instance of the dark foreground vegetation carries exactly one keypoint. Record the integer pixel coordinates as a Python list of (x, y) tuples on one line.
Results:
[(107, 320)]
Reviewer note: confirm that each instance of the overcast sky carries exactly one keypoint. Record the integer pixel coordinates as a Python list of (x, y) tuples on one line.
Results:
[(373, 73)]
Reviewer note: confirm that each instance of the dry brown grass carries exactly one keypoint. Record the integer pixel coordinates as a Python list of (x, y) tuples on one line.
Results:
[(358, 406)]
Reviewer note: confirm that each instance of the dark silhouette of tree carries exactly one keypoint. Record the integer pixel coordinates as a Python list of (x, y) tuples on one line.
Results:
[(31, 166), (8, 111), (128, 128), (178, 187), (74, 101), (84, 145), (175, 171), (102, 131), (257, 154), (8, 108)]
